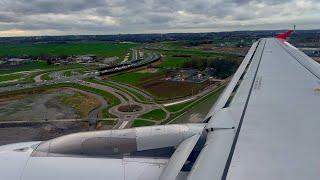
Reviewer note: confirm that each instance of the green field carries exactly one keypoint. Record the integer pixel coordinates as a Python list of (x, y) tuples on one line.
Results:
[(10, 77), (27, 67), (157, 114), (193, 52), (202, 106), (68, 73), (173, 62), (38, 65), (46, 77), (178, 107), (106, 114), (140, 123), (166, 45), (97, 48), (133, 78)]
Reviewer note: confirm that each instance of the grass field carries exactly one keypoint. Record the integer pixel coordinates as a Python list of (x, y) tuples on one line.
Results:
[(165, 90), (98, 48), (157, 114), (167, 45), (27, 67), (202, 106), (38, 65), (106, 114), (10, 77), (178, 107), (46, 77), (132, 78), (68, 73), (140, 123), (173, 62)]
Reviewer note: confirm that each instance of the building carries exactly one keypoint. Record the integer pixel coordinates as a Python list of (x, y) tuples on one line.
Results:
[(313, 52), (17, 61), (110, 60), (86, 58)]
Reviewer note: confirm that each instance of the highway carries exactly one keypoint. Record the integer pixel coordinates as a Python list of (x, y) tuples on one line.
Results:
[(133, 64)]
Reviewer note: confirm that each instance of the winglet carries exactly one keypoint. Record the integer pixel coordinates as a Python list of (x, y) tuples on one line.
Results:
[(285, 35)]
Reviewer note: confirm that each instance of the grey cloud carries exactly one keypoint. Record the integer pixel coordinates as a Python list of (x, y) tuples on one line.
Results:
[(135, 16), (8, 18), (49, 6)]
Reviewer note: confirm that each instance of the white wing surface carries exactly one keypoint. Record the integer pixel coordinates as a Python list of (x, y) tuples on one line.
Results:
[(265, 125)]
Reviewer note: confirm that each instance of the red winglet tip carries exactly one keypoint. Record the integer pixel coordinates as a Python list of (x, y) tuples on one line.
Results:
[(285, 35)]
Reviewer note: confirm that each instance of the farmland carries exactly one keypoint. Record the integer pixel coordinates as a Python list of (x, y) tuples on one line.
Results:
[(170, 61), (66, 49), (36, 65), (166, 90)]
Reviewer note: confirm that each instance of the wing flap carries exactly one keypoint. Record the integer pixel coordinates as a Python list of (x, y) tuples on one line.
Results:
[(178, 158), (211, 162)]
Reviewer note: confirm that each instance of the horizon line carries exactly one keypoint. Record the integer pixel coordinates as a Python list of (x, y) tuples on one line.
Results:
[(155, 33)]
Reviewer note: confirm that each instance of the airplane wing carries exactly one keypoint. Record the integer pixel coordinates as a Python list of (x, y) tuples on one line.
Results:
[(265, 124)]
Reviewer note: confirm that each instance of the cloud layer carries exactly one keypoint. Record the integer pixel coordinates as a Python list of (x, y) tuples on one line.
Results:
[(60, 17)]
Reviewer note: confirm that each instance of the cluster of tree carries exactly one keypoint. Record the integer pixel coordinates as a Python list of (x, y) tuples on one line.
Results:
[(199, 42), (223, 67)]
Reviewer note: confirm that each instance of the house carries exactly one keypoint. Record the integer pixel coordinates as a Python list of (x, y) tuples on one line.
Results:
[(17, 61), (87, 58)]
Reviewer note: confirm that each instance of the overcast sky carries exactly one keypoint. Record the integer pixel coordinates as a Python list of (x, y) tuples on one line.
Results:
[(62, 17)]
